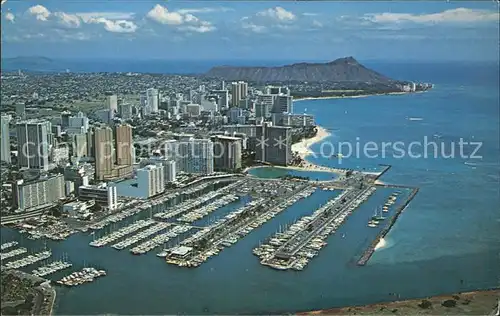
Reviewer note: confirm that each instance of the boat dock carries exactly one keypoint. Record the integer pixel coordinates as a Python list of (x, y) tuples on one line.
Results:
[(189, 205), (87, 275), (51, 268), (207, 209), (141, 235), (124, 231), (23, 262), (7, 245), (160, 239), (226, 231), (13, 253), (371, 249), (302, 241)]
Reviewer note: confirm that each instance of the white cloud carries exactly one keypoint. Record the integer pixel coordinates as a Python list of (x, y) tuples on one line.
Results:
[(86, 16), (254, 27), (204, 10), (40, 12), (317, 23), (161, 15), (278, 13), (69, 20), (203, 28), (115, 26), (310, 14), (183, 20), (459, 15), (10, 17)]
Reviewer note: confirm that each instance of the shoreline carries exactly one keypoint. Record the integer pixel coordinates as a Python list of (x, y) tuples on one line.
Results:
[(355, 96), (303, 149), (471, 303)]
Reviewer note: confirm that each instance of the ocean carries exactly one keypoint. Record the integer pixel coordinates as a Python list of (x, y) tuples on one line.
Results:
[(445, 241)]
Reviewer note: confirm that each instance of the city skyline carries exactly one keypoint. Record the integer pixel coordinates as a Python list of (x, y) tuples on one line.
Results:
[(211, 30)]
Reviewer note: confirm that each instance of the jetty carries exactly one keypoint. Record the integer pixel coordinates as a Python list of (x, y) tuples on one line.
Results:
[(371, 248)]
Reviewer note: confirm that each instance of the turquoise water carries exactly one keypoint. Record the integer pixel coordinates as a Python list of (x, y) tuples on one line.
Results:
[(445, 241), (276, 172)]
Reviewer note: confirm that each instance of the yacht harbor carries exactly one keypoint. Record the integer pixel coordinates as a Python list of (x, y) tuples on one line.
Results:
[(293, 248), (26, 261), (86, 275), (51, 268), (13, 253)]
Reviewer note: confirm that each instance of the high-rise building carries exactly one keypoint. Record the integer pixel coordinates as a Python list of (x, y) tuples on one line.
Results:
[(21, 110), (227, 152), (195, 156), (234, 113), (277, 90), (65, 119), (103, 141), (151, 178), (103, 194), (282, 104), (123, 144), (79, 121), (274, 144), (79, 145), (38, 193), (125, 110), (90, 143), (33, 144), (235, 94), (112, 103), (261, 110), (268, 101), (169, 166), (193, 110), (223, 98), (243, 89), (5, 139), (152, 99)]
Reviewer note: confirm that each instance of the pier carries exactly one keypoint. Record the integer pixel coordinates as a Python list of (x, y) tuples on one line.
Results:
[(13, 253), (371, 249), (208, 242), (294, 248), (124, 231), (140, 236), (23, 262)]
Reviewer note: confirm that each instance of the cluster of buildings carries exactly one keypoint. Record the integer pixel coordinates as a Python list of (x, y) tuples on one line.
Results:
[(99, 157)]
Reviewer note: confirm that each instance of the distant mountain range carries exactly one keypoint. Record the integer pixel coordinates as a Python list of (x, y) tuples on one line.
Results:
[(27, 63), (345, 69)]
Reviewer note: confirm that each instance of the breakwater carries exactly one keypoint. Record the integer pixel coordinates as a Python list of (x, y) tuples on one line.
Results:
[(371, 249)]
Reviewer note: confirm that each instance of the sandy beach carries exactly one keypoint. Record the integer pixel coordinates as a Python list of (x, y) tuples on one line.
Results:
[(303, 148), (352, 96)]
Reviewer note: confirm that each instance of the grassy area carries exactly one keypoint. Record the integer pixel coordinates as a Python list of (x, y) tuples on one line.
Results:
[(470, 303)]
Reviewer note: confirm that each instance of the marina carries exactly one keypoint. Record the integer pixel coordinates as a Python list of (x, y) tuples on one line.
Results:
[(51, 268), (160, 239), (122, 232), (7, 245), (13, 253), (303, 240), (86, 275), (390, 201), (140, 236), (30, 259), (207, 209), (193, 203), (225, 232)]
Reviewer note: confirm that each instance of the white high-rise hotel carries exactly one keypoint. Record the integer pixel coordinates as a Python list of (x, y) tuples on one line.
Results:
[(5, 139), (195, 156), (152, 99), (33, 144)]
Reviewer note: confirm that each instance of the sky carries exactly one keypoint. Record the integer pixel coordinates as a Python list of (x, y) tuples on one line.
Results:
[(251, 30)]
